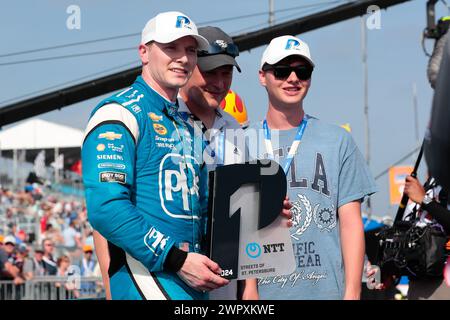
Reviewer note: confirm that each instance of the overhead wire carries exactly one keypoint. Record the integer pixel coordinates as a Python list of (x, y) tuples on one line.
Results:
[(66, 45), (66, 56), (43, 91), (310, 6), (28, 51), (265, 12), (284, 18), (409, 154)]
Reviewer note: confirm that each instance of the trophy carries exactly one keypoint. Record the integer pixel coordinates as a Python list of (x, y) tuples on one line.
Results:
[(246, 234)]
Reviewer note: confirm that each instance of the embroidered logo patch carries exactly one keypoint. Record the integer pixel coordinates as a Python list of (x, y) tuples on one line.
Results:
[(110, 176), (110, 135), (154, 117), (160, 129)]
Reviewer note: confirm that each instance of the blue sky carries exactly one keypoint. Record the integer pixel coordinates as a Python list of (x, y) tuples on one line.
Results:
[(395, 61)]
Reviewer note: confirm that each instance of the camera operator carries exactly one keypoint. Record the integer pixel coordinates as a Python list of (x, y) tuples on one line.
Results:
[(433, 200), (437, 138)]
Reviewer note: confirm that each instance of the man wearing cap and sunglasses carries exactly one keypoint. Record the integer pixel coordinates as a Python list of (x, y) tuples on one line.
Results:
[(144, 178), (327, 180)]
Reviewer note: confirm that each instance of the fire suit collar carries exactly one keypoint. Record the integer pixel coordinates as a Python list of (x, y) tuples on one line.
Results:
[(170, 107)]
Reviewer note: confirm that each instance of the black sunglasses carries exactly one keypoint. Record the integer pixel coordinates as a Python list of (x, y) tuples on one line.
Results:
[(220, 48), (302, 72)]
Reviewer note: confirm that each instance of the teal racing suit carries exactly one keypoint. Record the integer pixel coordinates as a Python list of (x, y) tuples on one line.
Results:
[(146, 191)]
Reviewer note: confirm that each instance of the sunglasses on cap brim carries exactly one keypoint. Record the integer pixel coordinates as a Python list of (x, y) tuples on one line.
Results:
[(303, 72), (222, 48)]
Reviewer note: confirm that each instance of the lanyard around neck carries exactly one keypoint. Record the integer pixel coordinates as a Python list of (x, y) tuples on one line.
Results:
[(216, 155), (294, 146)]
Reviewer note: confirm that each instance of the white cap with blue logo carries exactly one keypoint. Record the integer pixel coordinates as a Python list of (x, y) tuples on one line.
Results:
[(170, 26), (285, 46)]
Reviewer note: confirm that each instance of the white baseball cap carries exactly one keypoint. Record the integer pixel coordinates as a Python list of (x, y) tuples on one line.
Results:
[(170, 26), (10, 239), (285, 46)]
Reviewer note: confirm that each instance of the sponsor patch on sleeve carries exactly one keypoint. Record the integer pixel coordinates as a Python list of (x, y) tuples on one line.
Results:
[(113, 165), (155, 241), (110, 176), (110, 135)]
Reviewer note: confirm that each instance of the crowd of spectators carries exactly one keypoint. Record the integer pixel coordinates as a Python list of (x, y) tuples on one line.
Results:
[(44, 234)]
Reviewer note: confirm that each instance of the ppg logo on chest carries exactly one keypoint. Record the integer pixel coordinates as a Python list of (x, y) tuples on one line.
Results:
[(178, 182)]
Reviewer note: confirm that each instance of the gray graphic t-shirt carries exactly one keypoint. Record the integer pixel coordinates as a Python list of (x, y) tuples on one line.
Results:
[(327, 172)]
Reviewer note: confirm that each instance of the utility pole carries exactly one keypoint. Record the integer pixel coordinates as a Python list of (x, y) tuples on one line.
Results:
[(15, 157), (56, 167), (271, 12), (366, 99)]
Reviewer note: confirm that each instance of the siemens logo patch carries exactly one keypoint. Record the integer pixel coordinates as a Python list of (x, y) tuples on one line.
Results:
[(109, 157), (109, 176)]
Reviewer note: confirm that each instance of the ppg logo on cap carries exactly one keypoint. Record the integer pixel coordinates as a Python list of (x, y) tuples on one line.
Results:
[(292, 44), (183, 22)]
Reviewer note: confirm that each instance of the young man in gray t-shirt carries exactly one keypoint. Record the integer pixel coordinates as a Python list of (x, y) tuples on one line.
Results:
[(327, 180)]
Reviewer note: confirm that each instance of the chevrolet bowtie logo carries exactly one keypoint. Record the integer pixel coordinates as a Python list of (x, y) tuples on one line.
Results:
[(110, 135)]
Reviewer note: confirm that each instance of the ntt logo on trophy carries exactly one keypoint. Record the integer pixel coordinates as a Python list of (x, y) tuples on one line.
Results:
[(253, 250)]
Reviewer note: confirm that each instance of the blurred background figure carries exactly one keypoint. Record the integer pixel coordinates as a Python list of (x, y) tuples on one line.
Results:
[(9, 269), (234, 105), (50, 265), (88, 267), (63, 263), (72, 239), (34, 266), (88, 262)]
